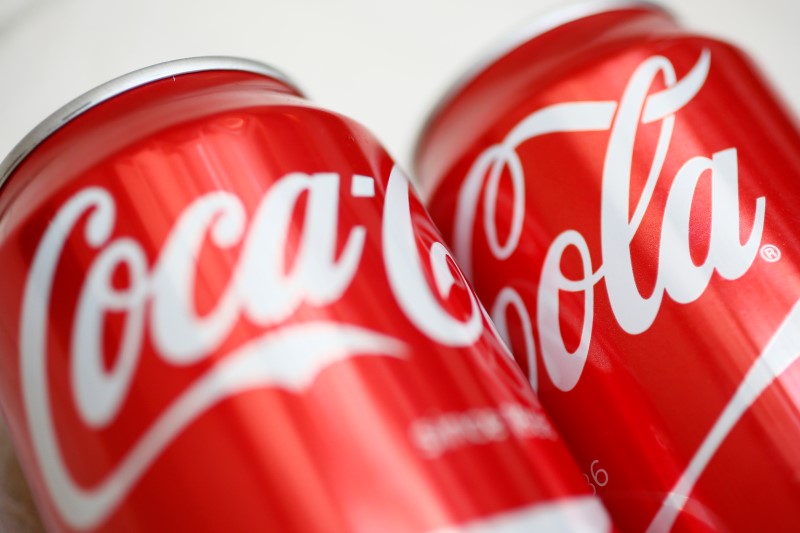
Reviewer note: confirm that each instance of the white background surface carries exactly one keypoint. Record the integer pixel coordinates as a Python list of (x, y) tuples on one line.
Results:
[(382, 63)]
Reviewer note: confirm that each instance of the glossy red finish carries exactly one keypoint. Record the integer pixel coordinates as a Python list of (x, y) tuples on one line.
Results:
[(690, 383), (195, 338)]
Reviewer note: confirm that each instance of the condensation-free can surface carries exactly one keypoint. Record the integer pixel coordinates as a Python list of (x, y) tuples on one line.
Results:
[(624, 196), (223, 310)]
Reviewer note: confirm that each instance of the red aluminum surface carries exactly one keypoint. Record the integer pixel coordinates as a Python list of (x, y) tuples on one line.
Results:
[(223, 310), (624, 196)]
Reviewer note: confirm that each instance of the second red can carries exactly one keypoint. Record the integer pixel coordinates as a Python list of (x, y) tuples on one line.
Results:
[(626, 198)]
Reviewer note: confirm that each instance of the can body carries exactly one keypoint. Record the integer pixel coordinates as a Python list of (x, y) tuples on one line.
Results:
[(624, 197), (223, 310)]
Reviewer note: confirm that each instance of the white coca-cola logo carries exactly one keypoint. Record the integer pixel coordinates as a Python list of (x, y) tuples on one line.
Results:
[(158, 301), (677, 275)]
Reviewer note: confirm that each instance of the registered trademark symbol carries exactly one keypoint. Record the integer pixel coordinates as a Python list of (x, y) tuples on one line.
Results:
[(770, 252)]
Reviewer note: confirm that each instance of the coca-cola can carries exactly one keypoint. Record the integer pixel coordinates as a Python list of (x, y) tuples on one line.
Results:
[(224, 310), (625, 197)]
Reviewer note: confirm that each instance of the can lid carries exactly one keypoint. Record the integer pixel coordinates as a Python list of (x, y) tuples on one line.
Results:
[(540, 25), (125, 83)]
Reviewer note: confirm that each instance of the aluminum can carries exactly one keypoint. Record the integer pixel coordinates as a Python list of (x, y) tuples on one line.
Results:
[(624, 196), (224, 310)]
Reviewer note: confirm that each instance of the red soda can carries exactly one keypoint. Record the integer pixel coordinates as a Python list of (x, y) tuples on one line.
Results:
[(224, 310), (624, 196)]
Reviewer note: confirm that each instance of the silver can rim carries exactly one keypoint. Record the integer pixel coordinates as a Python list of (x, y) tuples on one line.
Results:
[(125, 83), (536, 27)]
